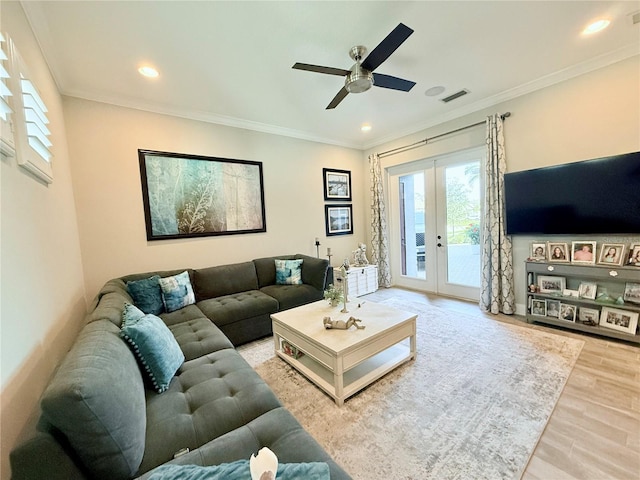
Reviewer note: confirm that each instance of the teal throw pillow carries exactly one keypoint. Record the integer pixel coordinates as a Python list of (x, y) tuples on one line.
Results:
[(154, 346), (147, 294), (177, 291), (240, 470), (288, 272)]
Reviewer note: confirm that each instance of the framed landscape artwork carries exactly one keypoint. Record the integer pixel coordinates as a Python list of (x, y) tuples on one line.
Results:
[(337, 184), (338, 219), (194, 196)]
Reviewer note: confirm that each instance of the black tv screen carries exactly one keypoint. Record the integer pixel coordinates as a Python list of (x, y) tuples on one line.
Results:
[(600, 196)]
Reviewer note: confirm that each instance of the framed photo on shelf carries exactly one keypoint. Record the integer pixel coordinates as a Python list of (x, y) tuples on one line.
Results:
[(538, 251), (337, 184), (583, 252), (557, 252), (567, 312), (588, 290), (632, 292), (551, 284), (617, 319), (539, 307), (338, 219), (611, 254), (553, 308), (589, 316), (634, 255)]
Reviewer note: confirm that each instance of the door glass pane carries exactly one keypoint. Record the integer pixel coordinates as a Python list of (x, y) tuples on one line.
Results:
[(462, 183), (412, 225)]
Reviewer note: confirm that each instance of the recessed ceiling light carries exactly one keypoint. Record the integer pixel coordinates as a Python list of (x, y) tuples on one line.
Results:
[(596, 26), (433, 91), (365, 127), (148, 71)]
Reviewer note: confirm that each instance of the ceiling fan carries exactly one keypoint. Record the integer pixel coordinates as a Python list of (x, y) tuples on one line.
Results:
[(360, 77)]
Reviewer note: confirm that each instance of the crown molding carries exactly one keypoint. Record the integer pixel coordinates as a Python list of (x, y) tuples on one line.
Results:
[(568, 73)]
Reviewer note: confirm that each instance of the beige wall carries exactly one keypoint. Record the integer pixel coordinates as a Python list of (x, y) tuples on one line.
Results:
[(590, 116), (104, 142), (43, 297)]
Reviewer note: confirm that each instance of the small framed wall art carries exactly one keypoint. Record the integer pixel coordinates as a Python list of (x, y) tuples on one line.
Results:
[(337, 184), (338, 219)]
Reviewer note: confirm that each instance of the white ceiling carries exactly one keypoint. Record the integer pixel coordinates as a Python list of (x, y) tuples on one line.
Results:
[(229, 62)]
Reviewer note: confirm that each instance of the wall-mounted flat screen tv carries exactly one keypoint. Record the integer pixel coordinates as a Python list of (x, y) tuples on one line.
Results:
[(599, 196)]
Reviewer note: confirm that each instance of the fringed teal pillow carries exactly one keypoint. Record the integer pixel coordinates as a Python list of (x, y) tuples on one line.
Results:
[(288, 272), (154, 346)]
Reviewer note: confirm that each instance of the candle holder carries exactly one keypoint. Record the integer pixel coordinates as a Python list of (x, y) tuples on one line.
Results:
[(317, 247)]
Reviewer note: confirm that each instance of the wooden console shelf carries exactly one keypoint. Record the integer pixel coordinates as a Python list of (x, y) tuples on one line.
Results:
[(613, 279)]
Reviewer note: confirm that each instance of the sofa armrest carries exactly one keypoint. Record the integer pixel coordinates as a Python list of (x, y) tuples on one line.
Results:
[(315, 271)]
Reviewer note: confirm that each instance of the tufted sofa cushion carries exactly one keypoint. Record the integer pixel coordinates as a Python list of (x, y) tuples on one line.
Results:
[(198, 337), (276, 429), (210, 396), (239, 306)]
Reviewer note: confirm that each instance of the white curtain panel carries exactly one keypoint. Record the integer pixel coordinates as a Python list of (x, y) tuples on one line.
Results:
[(497, 291), (379, 232)]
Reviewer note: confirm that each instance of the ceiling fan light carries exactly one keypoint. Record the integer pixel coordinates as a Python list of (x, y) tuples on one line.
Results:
[(359, 80)]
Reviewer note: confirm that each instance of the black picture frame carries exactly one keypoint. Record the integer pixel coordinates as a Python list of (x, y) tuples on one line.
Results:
[(337, 185), (338, 219), (188, 196)]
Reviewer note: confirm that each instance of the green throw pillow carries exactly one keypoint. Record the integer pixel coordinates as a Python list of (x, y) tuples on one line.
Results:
[(154, 346), (177, 291), (288, 272), (147, 294)]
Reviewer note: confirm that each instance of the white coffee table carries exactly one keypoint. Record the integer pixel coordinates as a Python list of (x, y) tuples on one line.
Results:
[(343, 362)]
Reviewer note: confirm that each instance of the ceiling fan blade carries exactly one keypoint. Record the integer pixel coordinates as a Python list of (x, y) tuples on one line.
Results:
[(320, 69), (395, 83), (338, 98), (386, 47)]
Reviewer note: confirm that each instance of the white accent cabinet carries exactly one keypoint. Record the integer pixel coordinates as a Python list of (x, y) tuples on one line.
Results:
[(360, 280)]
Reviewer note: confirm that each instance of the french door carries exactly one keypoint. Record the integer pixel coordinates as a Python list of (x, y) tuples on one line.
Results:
[(435, 215)]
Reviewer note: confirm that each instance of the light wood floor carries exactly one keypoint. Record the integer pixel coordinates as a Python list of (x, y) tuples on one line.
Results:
[(594, 431)]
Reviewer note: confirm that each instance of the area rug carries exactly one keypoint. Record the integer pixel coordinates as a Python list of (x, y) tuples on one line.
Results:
[(473, 405)]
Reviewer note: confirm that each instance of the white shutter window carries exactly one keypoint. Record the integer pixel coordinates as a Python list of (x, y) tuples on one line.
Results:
[(7, 144), (35, 112), (32, 136)]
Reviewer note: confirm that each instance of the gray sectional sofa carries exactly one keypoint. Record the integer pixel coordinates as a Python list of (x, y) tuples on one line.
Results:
[(101, 420)]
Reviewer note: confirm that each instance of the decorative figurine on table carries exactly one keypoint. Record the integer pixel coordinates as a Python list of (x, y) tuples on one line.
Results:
[(360, 256), (341, 324)]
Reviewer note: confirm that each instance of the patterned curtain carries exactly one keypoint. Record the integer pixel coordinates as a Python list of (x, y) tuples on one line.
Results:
[(379, 236), (497, 292)]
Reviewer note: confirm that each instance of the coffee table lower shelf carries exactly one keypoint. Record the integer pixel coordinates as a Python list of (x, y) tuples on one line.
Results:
[(354, 379)]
